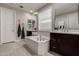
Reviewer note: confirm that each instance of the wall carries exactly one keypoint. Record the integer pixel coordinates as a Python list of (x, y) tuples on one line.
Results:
[(22, 17), (45, 13)]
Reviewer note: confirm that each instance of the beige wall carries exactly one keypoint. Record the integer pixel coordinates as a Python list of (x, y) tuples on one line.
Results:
[(20, 16)]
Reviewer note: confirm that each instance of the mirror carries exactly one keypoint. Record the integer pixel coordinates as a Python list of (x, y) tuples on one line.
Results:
[(66, 17), (31, 24)]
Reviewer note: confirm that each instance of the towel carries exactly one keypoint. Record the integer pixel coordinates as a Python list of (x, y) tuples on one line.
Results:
[(19, 31), (23, 33)]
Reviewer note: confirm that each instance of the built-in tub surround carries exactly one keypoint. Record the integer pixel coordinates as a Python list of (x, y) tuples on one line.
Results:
[(38, 38), (39, 46)]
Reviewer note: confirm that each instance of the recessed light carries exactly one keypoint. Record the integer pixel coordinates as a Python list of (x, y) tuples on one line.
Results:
[(31, 11)]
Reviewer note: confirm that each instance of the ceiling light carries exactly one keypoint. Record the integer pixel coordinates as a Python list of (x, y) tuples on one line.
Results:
[(21, 6), (31, 11)]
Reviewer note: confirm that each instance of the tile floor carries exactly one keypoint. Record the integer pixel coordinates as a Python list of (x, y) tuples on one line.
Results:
[(18, 49)]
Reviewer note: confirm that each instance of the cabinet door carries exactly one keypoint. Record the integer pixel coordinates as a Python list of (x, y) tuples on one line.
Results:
[(78, 46), (54, 44), (67, 46)]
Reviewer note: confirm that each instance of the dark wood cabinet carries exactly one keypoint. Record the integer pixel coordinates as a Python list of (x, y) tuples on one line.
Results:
[(29, 33), (78, 46), (65, 44)]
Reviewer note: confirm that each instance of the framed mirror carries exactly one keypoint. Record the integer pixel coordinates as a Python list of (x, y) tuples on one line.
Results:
[(31, 24)]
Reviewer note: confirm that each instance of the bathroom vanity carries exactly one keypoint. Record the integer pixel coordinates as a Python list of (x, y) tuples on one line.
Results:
[(64, 38), (65, 43)]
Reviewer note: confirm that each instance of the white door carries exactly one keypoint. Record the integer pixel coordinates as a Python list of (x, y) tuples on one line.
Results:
[(8, 25)]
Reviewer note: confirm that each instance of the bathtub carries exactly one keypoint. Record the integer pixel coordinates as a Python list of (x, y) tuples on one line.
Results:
[(39, 45)]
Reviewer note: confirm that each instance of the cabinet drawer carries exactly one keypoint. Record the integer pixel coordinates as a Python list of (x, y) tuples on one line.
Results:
[(53, 42), (54, 48)]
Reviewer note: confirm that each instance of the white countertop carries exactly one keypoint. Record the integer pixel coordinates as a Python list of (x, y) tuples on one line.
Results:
[(38, 39), (32, 30), (69, 32)]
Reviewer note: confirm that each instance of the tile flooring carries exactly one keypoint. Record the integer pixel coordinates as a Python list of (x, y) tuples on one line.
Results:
[(18, 49)]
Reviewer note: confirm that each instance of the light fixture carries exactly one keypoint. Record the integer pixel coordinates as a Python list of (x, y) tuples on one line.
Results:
[(31, 11), (21, 6)]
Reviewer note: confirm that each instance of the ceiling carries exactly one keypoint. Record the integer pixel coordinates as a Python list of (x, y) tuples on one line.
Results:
[(27, 6), (65, 8)]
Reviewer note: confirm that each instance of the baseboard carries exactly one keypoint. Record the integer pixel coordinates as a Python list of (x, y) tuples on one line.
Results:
[(10, 42), (17, 40)]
